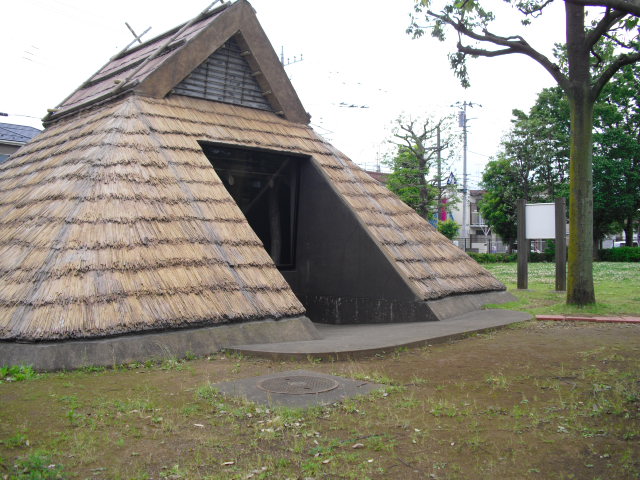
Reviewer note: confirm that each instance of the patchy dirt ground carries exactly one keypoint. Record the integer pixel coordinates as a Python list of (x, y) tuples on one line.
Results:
[(539, 400)]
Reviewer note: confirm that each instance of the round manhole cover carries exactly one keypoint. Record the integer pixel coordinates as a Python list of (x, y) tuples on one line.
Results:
[(298, 384)]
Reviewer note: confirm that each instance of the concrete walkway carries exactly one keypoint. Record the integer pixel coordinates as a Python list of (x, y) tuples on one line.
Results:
[(347, 341)]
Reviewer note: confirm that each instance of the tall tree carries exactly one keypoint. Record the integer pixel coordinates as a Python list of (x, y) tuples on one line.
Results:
[(589, 67), (537, 158), (521, 170), (617, 155), (420, 144), (498, 205)]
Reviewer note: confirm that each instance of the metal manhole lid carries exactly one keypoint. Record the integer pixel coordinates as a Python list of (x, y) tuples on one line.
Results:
[(297, 384)]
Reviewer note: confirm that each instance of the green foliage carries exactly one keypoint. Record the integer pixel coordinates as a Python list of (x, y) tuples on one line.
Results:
[(534, 161), (498, 206), (550, 250), (599, 42), (36, 466), (407, 181), (417, 152), (17, 373), (449, 228), (534, 257), (616, 153), (18, 439), (493, 257), (621, 254)]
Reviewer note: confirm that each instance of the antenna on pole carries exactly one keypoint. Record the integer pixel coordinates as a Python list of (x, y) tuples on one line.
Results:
[(289, 61), (136, 38)]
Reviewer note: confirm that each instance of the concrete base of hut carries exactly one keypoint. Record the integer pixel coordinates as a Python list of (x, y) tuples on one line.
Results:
[(457, 305), (112, 351), (338, 310)]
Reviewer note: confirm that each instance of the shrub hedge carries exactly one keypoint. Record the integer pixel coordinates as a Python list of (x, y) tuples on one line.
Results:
[(620, 254), (493, 257)]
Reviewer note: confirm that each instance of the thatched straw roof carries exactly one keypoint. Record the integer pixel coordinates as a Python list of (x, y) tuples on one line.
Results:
[(114, 221), (108, 228)]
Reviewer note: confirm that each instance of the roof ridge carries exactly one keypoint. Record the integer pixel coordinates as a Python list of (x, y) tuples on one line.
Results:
[(201, 16)]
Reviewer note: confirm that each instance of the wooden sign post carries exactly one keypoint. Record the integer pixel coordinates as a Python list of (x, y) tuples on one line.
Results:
[(561, 245), (523, 246), (542, 220)]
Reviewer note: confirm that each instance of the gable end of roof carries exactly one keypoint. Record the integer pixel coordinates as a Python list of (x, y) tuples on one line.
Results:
[(156, 67), (238, 22), (225, 77)]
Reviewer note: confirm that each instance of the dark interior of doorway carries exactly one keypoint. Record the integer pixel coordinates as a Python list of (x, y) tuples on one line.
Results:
[(265, 187)]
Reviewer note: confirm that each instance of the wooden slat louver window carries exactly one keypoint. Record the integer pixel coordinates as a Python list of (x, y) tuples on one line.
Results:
[(225, 77)]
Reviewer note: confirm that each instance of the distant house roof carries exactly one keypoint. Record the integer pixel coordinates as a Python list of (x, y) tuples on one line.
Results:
[(16, 134), (379, 176)]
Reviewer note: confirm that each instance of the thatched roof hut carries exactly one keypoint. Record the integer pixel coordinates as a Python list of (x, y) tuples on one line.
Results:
[(181, 187)]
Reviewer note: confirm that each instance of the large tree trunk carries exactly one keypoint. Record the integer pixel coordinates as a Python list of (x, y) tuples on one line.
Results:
[(580, 289), (628, 232)]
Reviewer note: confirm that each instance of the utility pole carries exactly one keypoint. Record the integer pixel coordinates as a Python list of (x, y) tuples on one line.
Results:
[(439, 159), (462, 121)]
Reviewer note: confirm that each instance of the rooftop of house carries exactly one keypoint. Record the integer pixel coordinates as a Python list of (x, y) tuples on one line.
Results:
[(379, 176), (16, 134)]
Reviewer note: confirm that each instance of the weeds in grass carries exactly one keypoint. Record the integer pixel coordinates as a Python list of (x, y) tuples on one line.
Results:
[(207, 392), (445, 408), (375, 377), (615, 284), (35, 466), (379, 443), (18, 439), (498, 381), (172, 363), (418, 381), (17, 373)]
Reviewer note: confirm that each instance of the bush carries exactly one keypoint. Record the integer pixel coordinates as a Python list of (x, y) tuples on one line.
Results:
[(493, 257), (620, 254), (537, 257), (550, 250), (448, 228), (534, 257)]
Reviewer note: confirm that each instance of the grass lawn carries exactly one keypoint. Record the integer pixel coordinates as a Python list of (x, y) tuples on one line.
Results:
[(538, 400), (617, 288)]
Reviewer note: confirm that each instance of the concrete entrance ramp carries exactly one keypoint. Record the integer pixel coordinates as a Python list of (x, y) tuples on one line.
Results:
[(344, 341)]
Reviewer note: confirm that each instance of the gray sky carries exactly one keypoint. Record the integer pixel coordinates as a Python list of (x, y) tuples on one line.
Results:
[(356, 52)]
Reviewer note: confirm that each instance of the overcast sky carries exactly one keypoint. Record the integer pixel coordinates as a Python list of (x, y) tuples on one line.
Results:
[(360, 70)]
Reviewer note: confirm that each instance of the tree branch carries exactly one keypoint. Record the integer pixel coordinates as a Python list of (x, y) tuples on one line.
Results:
[(618, 42), (617, 64), (535, 11), (515, 44), (606, 22), (484, 53), (631, 7)]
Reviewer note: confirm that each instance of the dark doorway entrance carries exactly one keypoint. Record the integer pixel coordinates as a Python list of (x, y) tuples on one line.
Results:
[(265, 187)]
